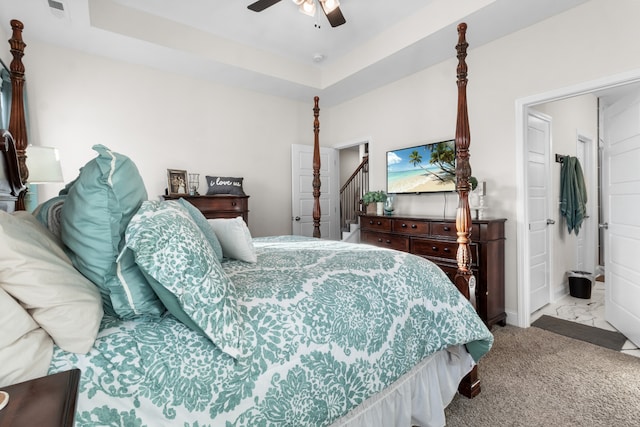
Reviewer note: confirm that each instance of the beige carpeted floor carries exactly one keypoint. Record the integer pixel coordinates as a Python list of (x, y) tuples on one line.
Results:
[(532, 377)]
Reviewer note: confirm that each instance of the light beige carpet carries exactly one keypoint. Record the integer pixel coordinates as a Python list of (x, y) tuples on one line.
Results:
[(532, 377)]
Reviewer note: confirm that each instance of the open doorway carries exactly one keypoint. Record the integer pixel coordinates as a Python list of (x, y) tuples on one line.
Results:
[(354, 183), (611, 86), (573, 126)]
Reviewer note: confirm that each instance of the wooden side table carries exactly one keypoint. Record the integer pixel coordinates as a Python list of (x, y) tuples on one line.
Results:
[(44, 402)]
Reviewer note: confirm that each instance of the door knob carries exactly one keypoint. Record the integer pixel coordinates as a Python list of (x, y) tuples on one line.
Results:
[(297, 218), (550, 222)]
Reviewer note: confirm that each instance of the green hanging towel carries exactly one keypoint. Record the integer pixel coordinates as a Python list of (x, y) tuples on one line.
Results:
[(573, 193)]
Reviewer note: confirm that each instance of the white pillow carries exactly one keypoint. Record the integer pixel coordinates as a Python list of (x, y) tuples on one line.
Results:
[(35, 271), (25, 348), (235, 238)]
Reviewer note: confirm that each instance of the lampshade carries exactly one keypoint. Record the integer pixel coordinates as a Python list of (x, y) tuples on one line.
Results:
[(43, 164)]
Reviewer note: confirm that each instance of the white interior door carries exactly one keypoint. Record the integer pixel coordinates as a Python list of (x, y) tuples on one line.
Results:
[(302, 191), (621, 186), (537, 145)]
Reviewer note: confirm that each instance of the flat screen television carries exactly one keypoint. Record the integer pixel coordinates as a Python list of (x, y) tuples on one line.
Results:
[(426, 168)]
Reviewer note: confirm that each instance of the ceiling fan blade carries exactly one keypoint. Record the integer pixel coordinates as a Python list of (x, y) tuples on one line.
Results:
[(261, 5), (335, 17)]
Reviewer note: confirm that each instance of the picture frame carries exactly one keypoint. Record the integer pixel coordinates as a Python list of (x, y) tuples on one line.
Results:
[(177, 182)]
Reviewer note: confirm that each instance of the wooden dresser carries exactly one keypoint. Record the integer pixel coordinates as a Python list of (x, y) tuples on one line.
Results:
[(219, 205), (435, 239)]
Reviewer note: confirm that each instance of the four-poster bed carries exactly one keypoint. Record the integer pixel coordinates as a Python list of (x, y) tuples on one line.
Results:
[(312, 333)]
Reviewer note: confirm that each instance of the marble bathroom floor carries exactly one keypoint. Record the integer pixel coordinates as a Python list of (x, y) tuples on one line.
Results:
[(586, 311)]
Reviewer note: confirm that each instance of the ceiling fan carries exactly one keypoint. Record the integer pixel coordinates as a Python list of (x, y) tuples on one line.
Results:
[(331, 8)]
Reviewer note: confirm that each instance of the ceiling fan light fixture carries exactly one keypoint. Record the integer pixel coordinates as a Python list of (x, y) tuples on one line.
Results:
[(308, 7), (329, 5)]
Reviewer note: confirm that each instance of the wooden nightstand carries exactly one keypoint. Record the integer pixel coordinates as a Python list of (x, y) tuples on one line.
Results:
[(44, 402), (219, 205)]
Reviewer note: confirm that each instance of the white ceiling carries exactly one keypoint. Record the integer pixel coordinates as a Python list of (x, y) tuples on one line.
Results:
[(273, 51)]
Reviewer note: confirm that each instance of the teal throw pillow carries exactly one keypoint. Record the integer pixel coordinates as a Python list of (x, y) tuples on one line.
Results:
[(203, 225), (170, 248), (95, 214)]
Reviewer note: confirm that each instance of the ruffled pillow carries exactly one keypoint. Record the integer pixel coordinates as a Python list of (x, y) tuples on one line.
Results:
[(98, 207)]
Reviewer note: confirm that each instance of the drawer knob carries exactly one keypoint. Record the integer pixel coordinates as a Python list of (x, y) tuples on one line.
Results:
[(388, 242), (370, 222), (379, 240), (379, 223), (434, 248), (414, 226), (234, 203), (447, 250), (404, 225), (446, 228)]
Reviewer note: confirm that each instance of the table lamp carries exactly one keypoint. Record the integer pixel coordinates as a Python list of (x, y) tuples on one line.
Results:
[(44, 168)]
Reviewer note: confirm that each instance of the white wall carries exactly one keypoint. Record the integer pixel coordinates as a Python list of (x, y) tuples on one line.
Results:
[(583, 44), (6, 58), (162, 120), (4, 47), (349, 161)]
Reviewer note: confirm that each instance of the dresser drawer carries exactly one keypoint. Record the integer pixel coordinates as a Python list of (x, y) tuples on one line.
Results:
[(442, 249), (385, 240), (434, 248), (376, 223), (410, 227), (480, 231), (227, 204), (444, 229), (219, 206), (224, 214)]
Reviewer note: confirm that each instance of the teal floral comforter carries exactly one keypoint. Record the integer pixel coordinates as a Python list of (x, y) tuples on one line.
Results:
[(334, 323)]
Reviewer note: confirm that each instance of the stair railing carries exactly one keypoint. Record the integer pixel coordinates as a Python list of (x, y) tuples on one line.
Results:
[(351, 194)]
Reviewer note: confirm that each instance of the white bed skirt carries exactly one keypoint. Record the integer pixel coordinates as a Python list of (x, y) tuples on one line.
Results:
[(418, 398)]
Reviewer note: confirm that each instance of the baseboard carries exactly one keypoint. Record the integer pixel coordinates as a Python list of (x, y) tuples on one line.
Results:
[(512, 318), (561, 292)]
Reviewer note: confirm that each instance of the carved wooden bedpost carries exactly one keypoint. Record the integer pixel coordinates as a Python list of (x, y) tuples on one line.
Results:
[(17, 122), (316, 168), (464, 279)]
